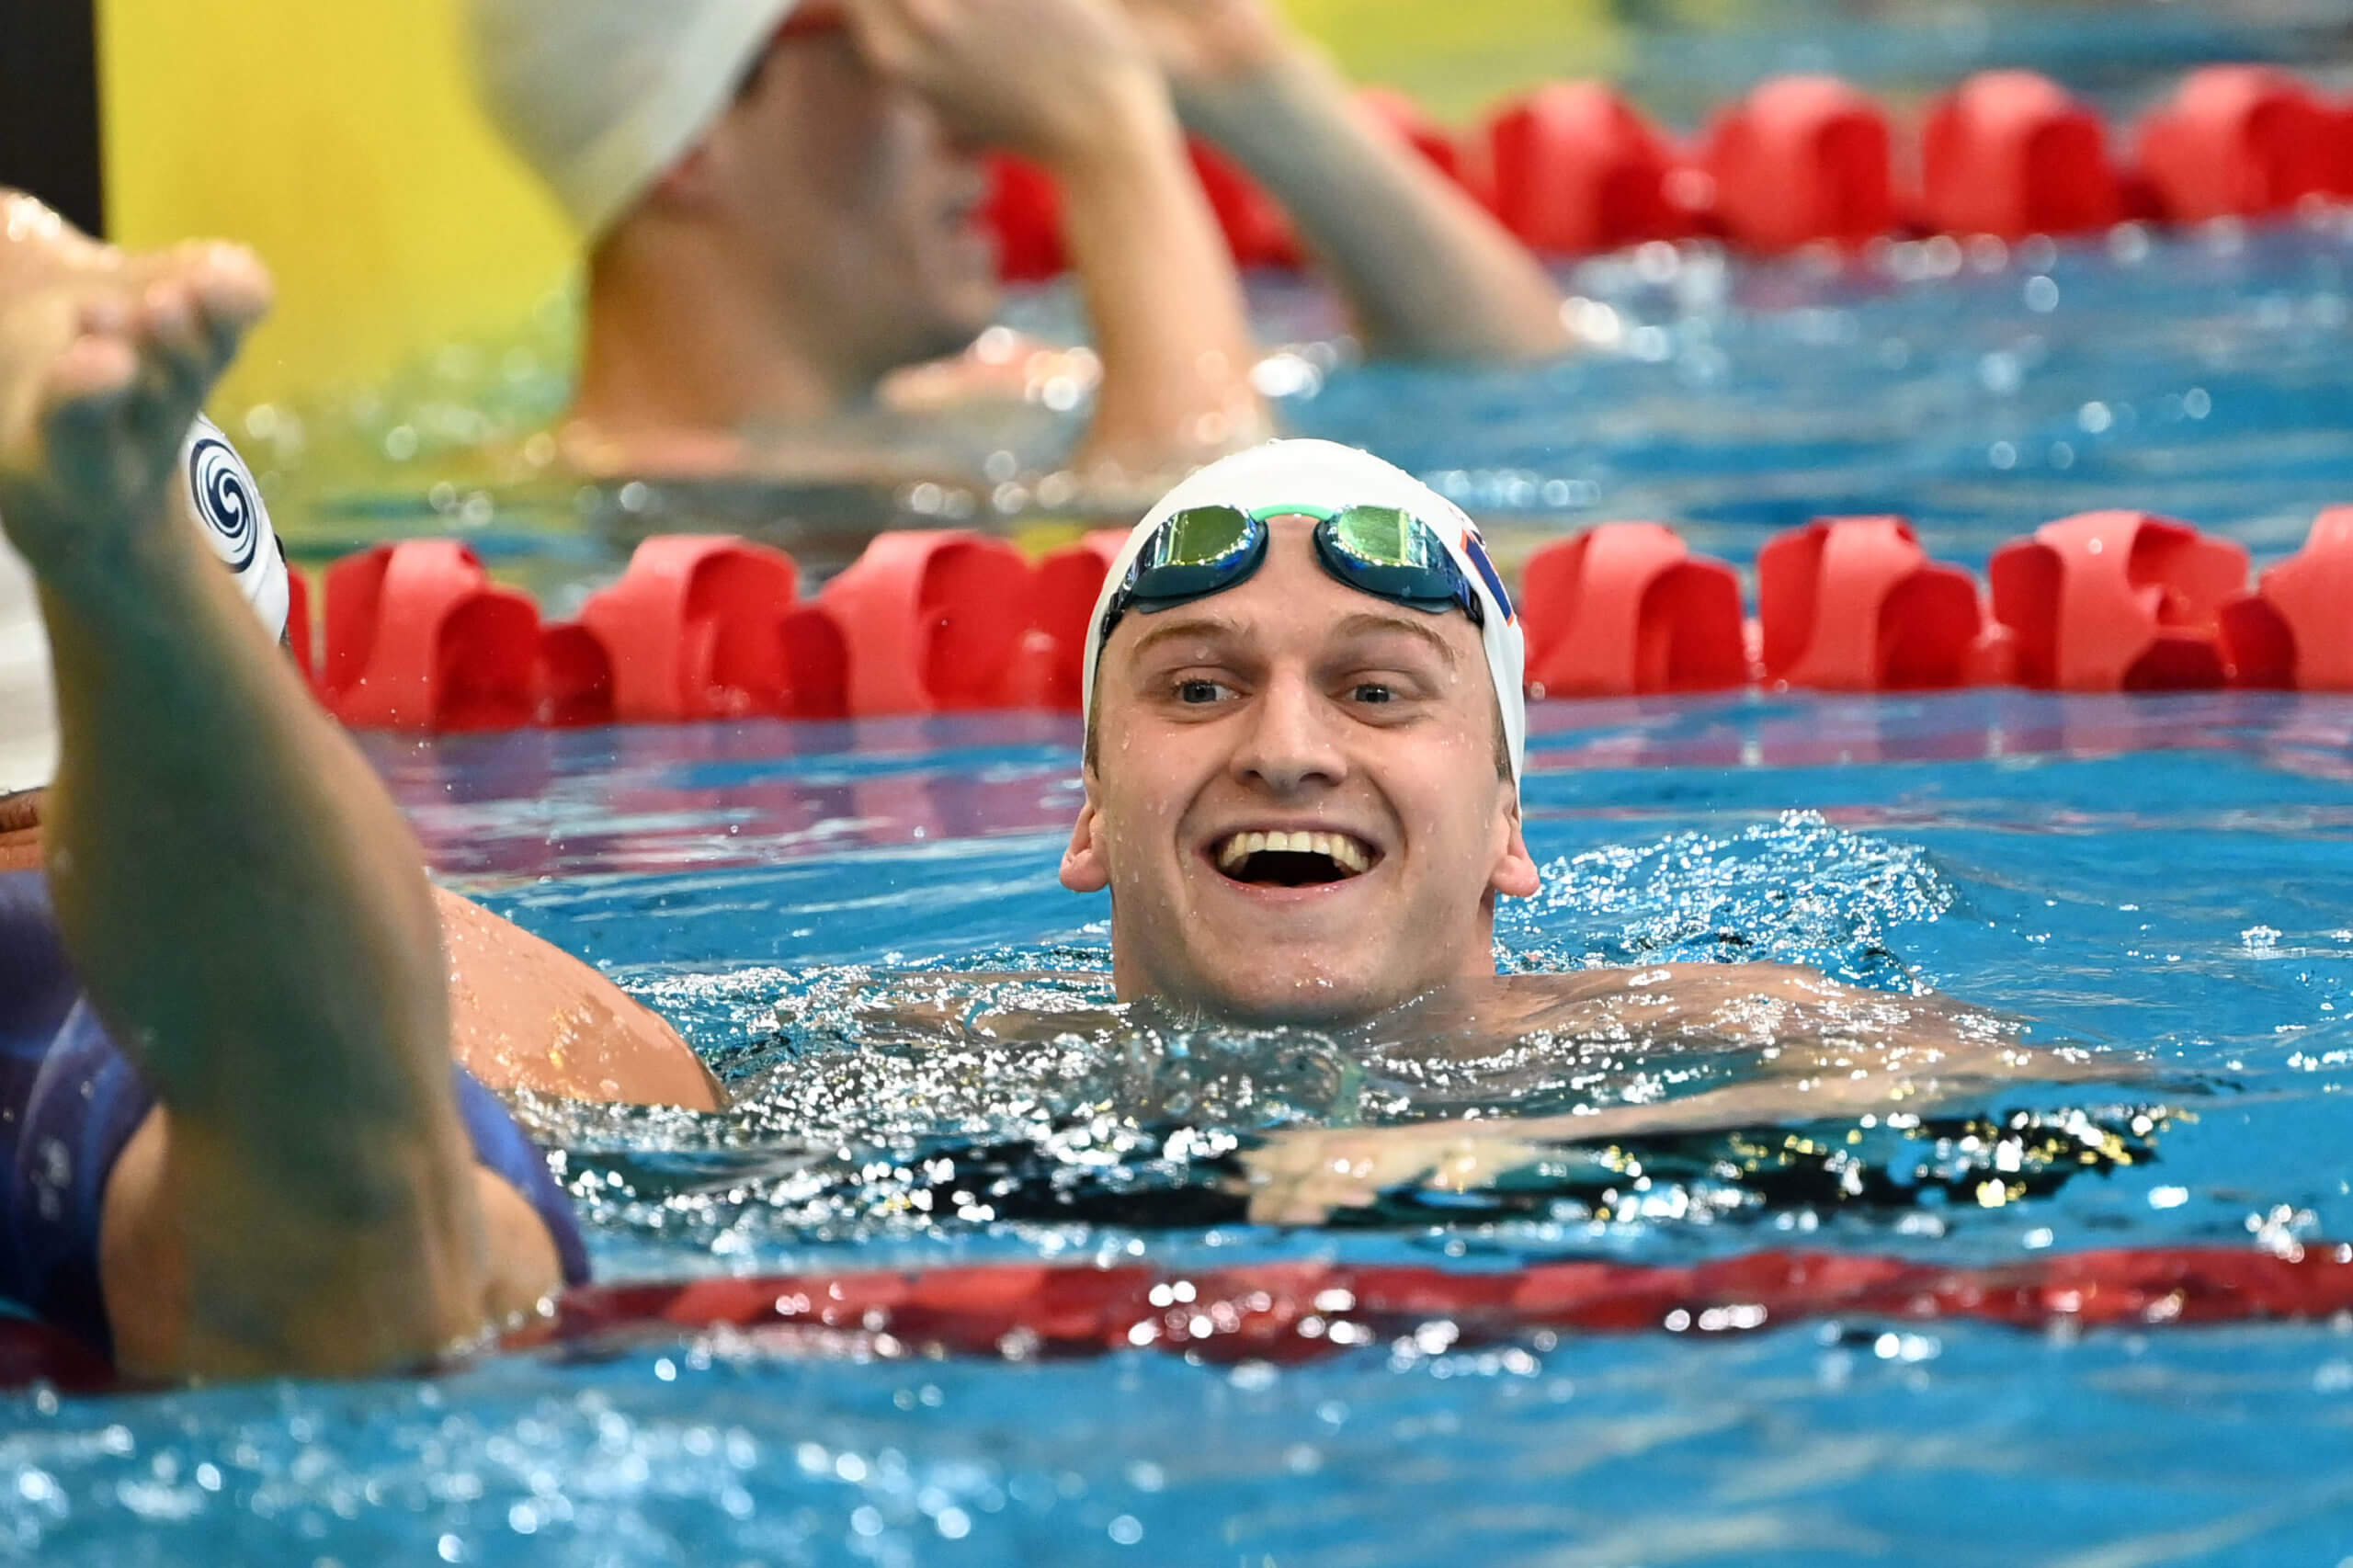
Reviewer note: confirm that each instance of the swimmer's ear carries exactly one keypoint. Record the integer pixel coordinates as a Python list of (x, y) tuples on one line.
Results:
[(1515, 875), (1083, 868)]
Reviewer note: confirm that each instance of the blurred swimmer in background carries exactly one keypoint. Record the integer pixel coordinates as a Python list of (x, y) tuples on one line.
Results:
[(781, 206)]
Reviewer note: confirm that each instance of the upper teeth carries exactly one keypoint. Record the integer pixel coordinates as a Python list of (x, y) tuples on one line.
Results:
[(1346, 852)]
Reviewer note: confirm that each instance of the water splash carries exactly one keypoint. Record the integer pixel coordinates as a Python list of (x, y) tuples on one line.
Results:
[(1796, 890)]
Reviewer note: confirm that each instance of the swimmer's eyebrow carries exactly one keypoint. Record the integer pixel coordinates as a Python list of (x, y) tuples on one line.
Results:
[(1369, 625), (1360, 625), (1210, 626)]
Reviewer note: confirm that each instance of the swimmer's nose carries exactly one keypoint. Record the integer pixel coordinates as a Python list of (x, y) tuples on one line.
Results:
[(1290, 739)]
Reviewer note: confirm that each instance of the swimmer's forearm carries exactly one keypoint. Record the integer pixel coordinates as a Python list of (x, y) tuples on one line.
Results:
[(1166, 306), (243, 903), (1427, 272)]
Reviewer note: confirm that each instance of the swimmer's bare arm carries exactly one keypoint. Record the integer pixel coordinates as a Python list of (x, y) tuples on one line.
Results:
[(1068, 84), (1828, 1051), (244, 905), (1427, 272)]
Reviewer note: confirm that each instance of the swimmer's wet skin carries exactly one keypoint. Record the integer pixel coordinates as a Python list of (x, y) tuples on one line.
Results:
[(314, 1188)]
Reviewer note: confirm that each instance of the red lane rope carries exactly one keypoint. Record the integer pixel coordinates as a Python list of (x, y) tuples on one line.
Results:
[(1300, 1312), (418, 637), (1293, 1311)]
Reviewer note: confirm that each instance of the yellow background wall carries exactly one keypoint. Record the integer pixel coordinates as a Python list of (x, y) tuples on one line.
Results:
[(341, 139)]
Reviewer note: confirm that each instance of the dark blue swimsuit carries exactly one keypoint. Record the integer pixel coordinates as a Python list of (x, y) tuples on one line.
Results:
[(70, 1100)]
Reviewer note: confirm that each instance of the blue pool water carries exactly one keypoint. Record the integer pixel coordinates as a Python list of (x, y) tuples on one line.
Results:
[(2168, 881), (2163, 876)]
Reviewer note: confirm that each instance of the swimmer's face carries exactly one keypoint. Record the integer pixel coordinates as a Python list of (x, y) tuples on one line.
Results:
[(860, 205), (1295, 705)]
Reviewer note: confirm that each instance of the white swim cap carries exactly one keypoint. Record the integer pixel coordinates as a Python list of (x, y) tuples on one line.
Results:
[(1325, 474), (601, 97), (227, 504)]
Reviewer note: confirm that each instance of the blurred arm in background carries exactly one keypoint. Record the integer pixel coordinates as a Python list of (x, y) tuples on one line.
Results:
[(1070, 84), (1427, 272)]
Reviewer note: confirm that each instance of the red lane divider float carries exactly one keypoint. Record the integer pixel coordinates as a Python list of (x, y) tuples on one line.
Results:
[(1577, 170), (2243, 141), (1572, 169), (419, 637), (694, 630), (2011, 154), (1024, 210), (2292, 631), (1063, 591), (2118, 601), (705, 627), (934, 620), (1626, 609), (1854, 604), (1300, 1312), (1802, 159)]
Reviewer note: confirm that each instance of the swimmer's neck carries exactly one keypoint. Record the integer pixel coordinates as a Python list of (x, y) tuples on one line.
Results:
[(679, 344)]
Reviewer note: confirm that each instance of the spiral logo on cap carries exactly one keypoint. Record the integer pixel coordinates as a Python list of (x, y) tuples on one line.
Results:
[(227, 502)]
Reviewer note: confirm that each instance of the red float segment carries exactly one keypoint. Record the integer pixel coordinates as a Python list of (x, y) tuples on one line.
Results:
[(1854, 604), (576, 678), (1024, 210), (2009, 153), (1256, 229), (2112, 601), (1576, 170), (931, 620), (2242, 140), (419, 637), (1068, 581), (816, 663), (299, 639), (1802, 159), (1627, 609), (1290, 1311), (691, 630), (2295, 630)]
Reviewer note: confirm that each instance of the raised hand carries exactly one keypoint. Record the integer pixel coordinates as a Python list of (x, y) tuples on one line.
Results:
[(105, 360), (1204, 44), (1049, 79)]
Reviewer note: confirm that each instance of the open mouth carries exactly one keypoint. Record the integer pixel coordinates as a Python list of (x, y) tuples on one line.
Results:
[(1293, 860)]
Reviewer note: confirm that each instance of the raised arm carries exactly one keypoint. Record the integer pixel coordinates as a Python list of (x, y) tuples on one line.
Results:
[(242, 903), (1427, 272), (1069, 85)]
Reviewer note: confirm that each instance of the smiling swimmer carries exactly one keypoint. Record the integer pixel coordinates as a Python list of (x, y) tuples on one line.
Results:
[(1305, 744), (244, 1045)]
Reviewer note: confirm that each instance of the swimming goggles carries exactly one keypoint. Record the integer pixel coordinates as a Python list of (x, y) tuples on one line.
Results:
[(1381, 550)]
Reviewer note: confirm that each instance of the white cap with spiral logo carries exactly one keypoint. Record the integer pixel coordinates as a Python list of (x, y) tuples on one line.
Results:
[(227, 506)]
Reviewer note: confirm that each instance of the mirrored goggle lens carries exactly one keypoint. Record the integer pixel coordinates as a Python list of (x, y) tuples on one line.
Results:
[(1384, 536), (1199, 535)]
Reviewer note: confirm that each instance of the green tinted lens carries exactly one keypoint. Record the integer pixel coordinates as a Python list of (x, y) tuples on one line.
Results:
[(1200, 535), (1383, 536)]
